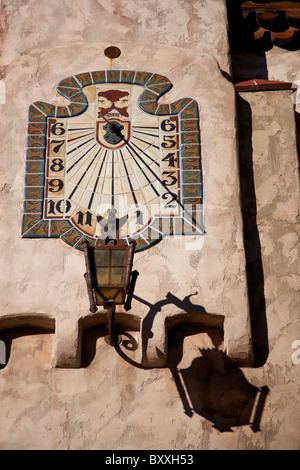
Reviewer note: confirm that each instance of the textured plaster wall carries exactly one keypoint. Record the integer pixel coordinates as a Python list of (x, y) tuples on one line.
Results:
[(270, 180), (197, 399)]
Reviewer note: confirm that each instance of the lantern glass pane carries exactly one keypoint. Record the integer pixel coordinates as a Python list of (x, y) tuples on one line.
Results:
[(102, 274), (101, 257), (118, 257), (116, 275)]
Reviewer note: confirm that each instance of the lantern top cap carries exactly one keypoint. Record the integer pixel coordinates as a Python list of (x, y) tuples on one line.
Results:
[(111, 243)]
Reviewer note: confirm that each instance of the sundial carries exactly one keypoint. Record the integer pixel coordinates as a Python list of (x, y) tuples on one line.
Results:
[(113, 147)]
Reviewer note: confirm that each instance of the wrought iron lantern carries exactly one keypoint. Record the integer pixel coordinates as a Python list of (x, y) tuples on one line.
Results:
[(109, 277)]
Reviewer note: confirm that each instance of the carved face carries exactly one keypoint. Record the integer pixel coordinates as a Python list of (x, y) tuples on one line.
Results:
[(113, 102)]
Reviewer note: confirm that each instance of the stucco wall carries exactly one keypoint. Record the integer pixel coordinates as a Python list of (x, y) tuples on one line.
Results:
[(113, 402)]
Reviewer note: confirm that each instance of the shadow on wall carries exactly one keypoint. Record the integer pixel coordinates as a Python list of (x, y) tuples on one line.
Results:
[(192, 318), (211, 386), (254, 266), (191, 314), (217, 390)]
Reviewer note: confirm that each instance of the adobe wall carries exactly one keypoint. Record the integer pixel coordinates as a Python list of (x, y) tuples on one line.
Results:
[(205, 307)]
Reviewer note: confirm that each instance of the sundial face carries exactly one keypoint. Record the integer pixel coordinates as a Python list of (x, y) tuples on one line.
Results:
[(113, 147)]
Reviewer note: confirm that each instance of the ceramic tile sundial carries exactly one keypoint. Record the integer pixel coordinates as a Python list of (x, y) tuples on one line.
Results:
[(113, 146)]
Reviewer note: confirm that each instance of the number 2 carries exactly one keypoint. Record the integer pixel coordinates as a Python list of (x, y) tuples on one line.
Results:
[(172, 196)]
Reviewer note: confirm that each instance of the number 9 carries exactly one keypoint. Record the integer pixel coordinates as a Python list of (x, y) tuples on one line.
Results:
[(55, 185)]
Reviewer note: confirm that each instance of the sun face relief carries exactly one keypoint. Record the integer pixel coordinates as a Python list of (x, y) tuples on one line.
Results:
[(122, 151)]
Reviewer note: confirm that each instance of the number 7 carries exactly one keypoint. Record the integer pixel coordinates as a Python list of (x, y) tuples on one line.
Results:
[(57, 147)]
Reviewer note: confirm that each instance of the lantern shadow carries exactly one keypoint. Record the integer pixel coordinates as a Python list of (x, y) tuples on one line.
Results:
[(218, 391), (191, 314)]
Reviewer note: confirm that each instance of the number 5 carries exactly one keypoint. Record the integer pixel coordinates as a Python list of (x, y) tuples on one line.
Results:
[(169, 141)]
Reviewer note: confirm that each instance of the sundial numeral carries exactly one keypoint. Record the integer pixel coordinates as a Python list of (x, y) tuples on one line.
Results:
[(171, 159), (171, 178), (58, 207), (84, 218), (57, 165), (139, 217), (58, 129), (169, 197), (169, 141), (55, 185), (167, 125), (57, 146)]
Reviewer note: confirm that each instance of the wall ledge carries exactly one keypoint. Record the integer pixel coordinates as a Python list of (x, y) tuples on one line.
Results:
[(263, 85)]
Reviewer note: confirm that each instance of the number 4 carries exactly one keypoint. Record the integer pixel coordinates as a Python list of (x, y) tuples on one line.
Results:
[(171, 159)]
